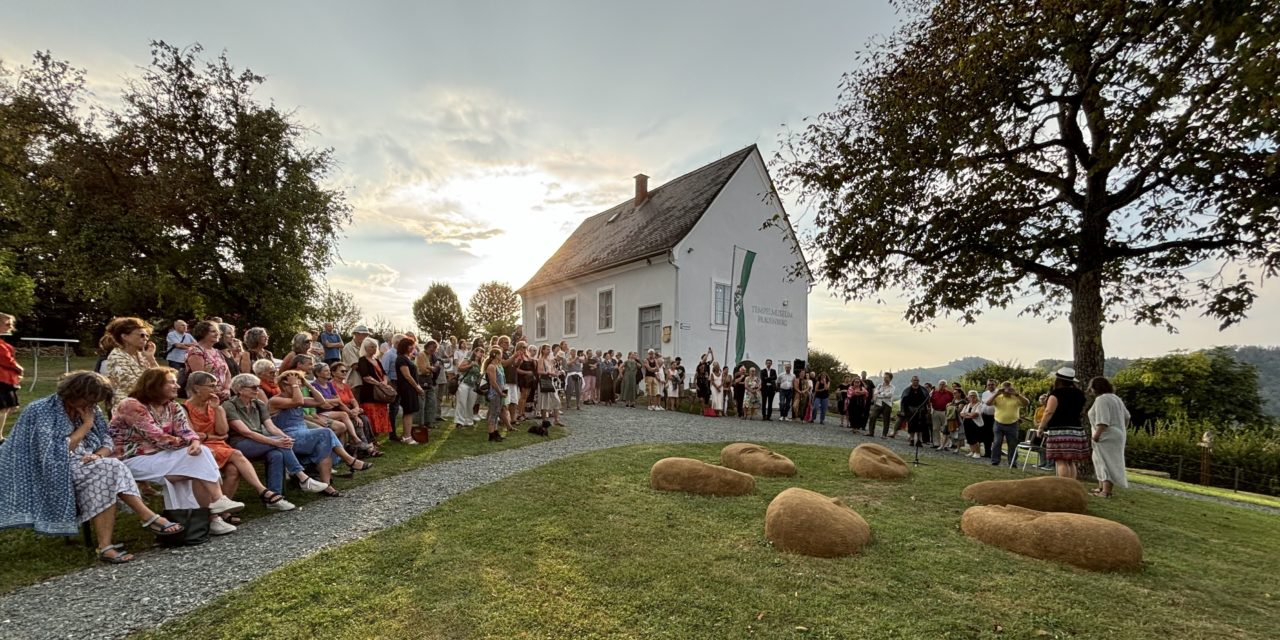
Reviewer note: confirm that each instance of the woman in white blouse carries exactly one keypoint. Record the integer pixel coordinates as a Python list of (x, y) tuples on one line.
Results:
[(1110, 420)]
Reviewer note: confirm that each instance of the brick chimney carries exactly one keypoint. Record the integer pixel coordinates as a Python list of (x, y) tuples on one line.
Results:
[(642, 188)]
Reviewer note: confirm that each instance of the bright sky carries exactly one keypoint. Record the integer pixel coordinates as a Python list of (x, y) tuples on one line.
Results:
[(473, 136)]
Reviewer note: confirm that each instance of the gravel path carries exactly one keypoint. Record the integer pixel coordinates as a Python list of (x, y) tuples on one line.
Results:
[(109, 601)]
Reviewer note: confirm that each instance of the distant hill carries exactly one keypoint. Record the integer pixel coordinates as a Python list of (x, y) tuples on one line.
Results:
[(949, 371), (1265, 359)]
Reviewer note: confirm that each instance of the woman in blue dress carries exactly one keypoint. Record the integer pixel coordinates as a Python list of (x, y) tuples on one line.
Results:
[(318, 446)]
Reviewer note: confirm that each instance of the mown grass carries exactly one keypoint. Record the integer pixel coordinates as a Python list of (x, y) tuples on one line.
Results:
[(582, 548), (27, 558), (1216, 492)]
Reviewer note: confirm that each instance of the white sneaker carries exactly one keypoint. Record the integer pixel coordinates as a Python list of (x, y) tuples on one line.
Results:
[(225, 505), (220, 527), (659, 409), (311, 485), (282, 505)]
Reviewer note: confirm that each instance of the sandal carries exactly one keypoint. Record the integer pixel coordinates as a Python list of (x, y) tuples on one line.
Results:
[(330, 492), (269, 497), (1099, 493), (170, 528), (364, 466), (232, 520), (408, 440), (119, 557)]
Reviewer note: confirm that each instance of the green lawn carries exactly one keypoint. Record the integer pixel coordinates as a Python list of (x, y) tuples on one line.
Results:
[(50, 370), (1216, 492), (26, 558), (582, 548)]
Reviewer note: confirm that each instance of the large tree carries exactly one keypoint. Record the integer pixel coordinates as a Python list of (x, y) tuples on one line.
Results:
[(495, 308), (1110, 159), (189, 198), (1209, 385), (336, 306), (438, 312)]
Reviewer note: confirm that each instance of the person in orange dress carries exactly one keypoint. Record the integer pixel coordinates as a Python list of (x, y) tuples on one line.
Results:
[(209, 420)]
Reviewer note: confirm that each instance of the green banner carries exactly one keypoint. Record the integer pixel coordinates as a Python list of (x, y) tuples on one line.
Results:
[(738, 297)]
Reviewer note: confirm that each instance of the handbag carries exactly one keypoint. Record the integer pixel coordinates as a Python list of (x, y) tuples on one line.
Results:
[(383, 393), (546, 384), (195, 527)]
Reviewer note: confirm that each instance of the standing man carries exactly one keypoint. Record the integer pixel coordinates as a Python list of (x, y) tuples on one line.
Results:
[(651, 380), (988, 416), (351, 354), (939, 399), (768, 387), (786, 391), (430, 388), (882, 397), (1008, 405), (179, 342), (915, 407), (332, 342)]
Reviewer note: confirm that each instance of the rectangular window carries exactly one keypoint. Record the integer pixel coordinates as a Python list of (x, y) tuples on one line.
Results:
[(604, 306), (720, 304), (540, 322), (571, 316)]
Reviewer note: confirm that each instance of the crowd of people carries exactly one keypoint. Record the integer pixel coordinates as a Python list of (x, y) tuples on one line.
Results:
[(192, 417)]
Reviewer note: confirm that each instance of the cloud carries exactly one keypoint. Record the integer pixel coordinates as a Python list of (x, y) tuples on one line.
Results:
[(358, 274)]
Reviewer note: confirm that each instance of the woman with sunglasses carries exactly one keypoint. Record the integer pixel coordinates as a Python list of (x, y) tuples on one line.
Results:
[(209, 421), (132, 353)]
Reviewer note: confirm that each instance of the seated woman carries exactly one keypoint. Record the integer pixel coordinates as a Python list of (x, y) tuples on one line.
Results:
[(327, 414), (301, 346), (265, 370), (254, 435), (209, 420), (152, 436), (205, 356), (56, 471), (361, 432), (338, 374), (312, 446)]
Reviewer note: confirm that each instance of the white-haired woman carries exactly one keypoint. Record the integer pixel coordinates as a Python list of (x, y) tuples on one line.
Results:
[(258, 438), (371, 374)]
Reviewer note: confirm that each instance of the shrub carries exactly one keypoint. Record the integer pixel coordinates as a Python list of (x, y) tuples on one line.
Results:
[(1244, 459)]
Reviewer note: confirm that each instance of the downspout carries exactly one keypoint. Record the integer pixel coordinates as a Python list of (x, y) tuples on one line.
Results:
[(675, 322)]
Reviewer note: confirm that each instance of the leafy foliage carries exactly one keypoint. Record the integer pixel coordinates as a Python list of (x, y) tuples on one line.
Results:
[(1206, 385), (1030, 382), (17, 291), (821, 361), (1243, 459), (495, 308), (336, 306), (438, 312), (190, 198), (1086, 155)]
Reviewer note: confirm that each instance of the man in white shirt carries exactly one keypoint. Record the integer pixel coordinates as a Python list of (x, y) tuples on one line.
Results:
[(882, 407), (352, 352), (786, 381), (988, 416)]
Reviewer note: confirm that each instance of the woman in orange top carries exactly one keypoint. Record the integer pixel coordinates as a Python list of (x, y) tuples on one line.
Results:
[(10, 374), (209, 420)]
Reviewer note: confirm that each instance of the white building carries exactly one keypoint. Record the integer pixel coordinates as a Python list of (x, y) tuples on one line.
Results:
[(658, 272)]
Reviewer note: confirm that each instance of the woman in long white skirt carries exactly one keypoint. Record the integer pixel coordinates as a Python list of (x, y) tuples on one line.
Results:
[(152, 437), (1110, 420)]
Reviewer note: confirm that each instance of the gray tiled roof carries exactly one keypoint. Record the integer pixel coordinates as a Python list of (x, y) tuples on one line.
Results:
[(661, 221)]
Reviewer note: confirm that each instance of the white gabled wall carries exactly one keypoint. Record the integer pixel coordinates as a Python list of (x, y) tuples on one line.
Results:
[(635, 286), (776, 306)]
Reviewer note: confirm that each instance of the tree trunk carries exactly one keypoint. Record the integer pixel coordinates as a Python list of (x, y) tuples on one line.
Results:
[(1086, 326)]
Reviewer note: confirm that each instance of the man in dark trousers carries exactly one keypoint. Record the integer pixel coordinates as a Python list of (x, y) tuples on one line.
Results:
[(768, 387)]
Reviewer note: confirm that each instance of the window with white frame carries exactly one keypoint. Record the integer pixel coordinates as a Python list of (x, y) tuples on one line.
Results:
[(720, 303), (570, 316), (604, 309), (540, 322)]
